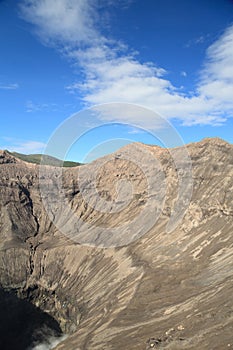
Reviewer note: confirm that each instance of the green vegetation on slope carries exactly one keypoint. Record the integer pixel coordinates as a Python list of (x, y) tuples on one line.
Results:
[(47, 160)]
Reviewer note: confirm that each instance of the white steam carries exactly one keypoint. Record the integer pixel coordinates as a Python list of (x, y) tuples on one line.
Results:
[(50, 343)]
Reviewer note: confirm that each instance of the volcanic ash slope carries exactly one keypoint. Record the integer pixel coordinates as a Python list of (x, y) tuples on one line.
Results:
[(168, 289)]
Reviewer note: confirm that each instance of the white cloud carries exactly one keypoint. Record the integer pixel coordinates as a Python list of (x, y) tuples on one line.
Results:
[(61, 21), (217, 76), (12, 86), (127, 113), (113, 74)]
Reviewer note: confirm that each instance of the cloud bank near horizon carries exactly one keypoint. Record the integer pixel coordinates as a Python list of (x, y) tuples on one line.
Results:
[(114, 73), (23, 146)]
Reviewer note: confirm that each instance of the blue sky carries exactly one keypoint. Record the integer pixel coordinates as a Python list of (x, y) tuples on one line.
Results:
[(59, 57)]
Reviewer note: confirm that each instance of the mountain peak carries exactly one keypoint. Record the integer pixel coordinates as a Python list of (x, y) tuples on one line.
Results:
[(213, 141)]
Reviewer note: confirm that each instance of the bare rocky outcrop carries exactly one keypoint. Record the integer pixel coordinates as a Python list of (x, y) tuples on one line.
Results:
[(164, 290)]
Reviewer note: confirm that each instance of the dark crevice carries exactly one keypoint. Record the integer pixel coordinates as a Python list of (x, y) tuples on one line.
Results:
[(26, 194), (25, 198), (31, 258)]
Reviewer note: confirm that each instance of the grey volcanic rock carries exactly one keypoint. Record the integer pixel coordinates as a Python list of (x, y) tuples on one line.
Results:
[(164, 290)]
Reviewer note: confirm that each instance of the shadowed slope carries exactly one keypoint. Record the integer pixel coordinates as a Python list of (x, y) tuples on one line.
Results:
[(22, 325)]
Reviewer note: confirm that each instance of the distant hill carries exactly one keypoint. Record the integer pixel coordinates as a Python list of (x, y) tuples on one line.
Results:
[(47, 160)]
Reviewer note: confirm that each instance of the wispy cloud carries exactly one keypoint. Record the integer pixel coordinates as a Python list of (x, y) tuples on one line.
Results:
[(62, 22), (12, 86), (115, 74), (36, 107), (197, 41), (135, 131), (33, 107), (23, 146), (217, 76)]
